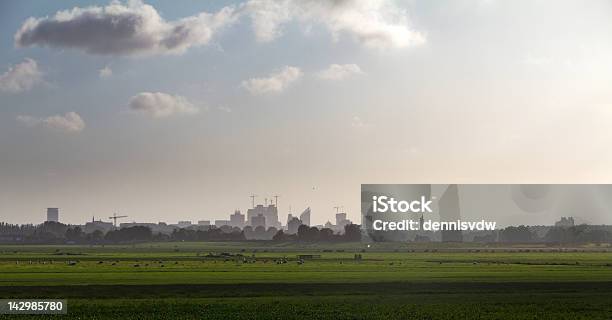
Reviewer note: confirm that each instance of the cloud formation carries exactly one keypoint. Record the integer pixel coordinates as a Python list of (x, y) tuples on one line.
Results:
[(70, 122), (357, 122), (225, 109), (118, 29), (339, 71), (21, 77), (160, 105), (374, 23), (105, 72), (136, 28), (274, 83)]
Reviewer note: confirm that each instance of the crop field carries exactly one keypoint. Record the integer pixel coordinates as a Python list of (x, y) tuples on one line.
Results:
[(337, 281)]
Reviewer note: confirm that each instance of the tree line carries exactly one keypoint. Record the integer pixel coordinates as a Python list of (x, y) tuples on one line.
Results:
[(58, 233), (560, 235)]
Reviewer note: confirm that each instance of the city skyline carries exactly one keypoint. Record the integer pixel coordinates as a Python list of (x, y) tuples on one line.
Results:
[(258, 215), (166, 112), (53, 215)]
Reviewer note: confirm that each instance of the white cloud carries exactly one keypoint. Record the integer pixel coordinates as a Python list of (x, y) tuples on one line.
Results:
[(21, 77), (374, 23), (160, 105), (268, 16), (122, 29), (69, 122), (136, 28), (224, 109), (275, 82), (339, 71), (105, 72), (357, 122)]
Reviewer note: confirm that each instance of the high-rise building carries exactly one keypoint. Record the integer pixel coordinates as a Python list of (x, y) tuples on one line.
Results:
[(341, 222), (258, 221), (270, 212), (449, 211), (204, 223), (305, 217), (53, 214), (237, 219), (340, 218), (293, 225)]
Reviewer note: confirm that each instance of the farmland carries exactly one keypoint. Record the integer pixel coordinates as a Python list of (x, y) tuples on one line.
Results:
[(263, 280)]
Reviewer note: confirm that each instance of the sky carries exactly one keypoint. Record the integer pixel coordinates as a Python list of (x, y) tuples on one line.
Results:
[(165, 113)]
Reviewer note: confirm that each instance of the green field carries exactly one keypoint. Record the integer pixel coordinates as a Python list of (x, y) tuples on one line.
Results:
[(258, 280)]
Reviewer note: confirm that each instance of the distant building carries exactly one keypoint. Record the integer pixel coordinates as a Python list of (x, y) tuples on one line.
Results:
[(53, 214), (161, 227), (565, 222), (136, 224), (293, 225), (270, 212), (221, 223), (340, 218), (101, 226), (305, 217), (204, 223), (289, 217), (184, 224), (237, 219), (449, 211), (341, 222), (258, 221)]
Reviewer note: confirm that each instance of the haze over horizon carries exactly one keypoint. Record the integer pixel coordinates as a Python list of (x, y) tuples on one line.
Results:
[(166, 113)]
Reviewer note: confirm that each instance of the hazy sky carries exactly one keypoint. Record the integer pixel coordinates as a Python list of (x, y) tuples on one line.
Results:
[(165, 112)]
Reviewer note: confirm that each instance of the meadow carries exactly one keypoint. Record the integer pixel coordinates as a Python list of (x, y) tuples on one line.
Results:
[(332, 281)]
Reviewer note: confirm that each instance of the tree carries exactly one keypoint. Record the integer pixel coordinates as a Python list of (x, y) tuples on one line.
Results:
[(520, 234), (56, 228), (95, 237), (279, 236), (352, 232), (576, 234), (184, 235), (306, 233), (131, 234), (326, 234), (74, 234)]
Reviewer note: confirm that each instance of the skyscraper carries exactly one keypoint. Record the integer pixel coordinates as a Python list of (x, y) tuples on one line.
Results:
[(258, 221), (237, 219), (53, 214), (450, 211), (293, 225), (270, 212), (305, 217), (340, 219)]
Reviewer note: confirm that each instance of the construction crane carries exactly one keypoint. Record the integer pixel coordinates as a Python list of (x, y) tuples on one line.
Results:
[(115, 217)]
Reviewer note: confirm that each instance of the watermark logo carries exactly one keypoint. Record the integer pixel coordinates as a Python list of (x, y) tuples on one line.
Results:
[(385, 204)]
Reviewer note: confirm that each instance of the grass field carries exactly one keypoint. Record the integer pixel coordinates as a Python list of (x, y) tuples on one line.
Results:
[(254, 280)]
